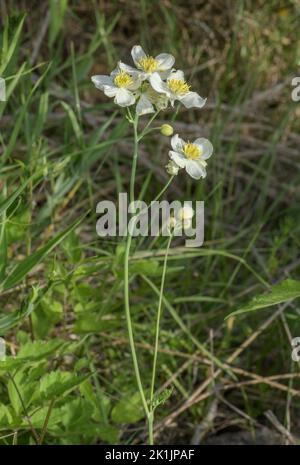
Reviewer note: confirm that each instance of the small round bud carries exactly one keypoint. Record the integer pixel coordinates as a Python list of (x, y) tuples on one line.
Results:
[(172, 168), (166, 130)]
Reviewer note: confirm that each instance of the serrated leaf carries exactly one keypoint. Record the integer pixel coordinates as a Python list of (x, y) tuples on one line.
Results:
[(128, 410), (38, 350), (56, 384), (162, 397)]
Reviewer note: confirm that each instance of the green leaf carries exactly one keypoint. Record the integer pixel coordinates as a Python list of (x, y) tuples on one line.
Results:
[(91, 323), (162, 397), (8, 52), (33, 352), (57, 12), (23, 268), (128, 410), (282, 292), (12, 197), (5, 416), (39, 350), (27, 307), (56, 384), (73, 120)]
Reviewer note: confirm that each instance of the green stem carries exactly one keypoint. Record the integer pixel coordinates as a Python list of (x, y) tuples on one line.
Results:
[(129, 324), (150, 428), (135, 157), (34, 433), (159, 313), (144, 132), (45, 425), (126, 277)]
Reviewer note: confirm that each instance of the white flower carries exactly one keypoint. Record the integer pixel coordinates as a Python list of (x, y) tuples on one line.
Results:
[(120, 85), (147, 65), (172, 168), (191, 155), (176, 88)]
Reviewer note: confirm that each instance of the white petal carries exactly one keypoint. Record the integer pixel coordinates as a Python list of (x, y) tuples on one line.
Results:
[(158, 84), (164, 74), (165, 60), (137, 54), (177, 75), (128, 69), (144, 106), (179, 159), (110, 91), (205, 146), (102, 80), (177, 143), (124, 98), (195, 170), (192, 99)]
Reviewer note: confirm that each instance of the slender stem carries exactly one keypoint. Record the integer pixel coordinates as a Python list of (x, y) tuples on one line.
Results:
[(45, 425), (34, 433), (150, 428), (164, 189), (143, 133), (156, 199), (135, 157), (126, 277), (159, 312), (129, 324)]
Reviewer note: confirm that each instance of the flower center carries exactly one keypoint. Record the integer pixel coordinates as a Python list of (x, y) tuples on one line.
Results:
[(178, 86), (123, 79), (192, 151), (148, 64)]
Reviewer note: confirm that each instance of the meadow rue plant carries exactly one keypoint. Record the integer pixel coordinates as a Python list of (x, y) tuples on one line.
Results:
[(153, 85)]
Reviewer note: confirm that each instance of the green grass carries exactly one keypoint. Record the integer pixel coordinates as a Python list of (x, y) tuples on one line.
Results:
[(65, 146)]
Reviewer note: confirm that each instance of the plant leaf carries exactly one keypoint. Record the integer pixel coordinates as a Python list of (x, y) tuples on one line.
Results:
[(23, 268), (282, 292)]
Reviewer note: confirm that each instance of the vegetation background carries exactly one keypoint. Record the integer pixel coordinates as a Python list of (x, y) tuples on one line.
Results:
[(68, 376)]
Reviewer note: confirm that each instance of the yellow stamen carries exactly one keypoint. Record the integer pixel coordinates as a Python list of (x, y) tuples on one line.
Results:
[(148, 64), (123, 79), (178, 86), (192, 151)]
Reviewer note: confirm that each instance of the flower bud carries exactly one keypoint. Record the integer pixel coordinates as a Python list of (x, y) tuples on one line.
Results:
[(185, 213), (171, 224), (172, 168), (166, 130)]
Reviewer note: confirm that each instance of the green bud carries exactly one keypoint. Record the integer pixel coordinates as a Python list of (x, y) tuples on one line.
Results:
[(166, 130)]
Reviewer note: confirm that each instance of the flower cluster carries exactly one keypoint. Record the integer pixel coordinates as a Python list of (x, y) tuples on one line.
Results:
[(153, 85)]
